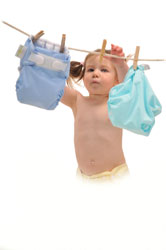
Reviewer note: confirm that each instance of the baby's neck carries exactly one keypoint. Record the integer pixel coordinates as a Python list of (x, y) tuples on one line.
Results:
[(98, 97)]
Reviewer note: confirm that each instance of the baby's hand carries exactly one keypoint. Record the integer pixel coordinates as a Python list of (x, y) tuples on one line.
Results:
[(118, 51)]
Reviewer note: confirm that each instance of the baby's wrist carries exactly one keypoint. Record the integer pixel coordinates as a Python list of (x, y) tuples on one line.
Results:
[(122, 70), (121, 65)]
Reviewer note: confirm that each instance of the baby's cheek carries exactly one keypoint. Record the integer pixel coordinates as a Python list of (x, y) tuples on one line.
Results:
[(111, 83)]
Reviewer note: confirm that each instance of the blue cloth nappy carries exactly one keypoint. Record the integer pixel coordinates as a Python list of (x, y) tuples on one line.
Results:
[(132, 104), (43, 73)]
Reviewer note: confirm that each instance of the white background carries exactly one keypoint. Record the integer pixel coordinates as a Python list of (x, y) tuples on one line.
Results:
[(42, 205)]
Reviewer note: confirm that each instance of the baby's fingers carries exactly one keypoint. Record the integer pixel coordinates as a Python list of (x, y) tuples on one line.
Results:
[(119, 49), (115, 47), (116, 50)]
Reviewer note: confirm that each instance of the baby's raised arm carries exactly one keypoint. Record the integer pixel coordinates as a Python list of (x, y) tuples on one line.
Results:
[(70, 96), (120, 64)]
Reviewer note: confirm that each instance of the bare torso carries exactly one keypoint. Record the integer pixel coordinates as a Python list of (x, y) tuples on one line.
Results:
[(98, 144)]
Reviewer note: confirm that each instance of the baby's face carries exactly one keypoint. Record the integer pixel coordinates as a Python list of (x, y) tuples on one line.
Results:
[(99, 78)]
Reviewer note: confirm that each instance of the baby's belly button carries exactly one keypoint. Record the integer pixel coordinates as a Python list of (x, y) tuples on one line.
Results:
[(95, 163), (92, 162)]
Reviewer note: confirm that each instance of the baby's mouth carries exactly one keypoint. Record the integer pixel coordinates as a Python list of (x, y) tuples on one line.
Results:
[(95, 82)]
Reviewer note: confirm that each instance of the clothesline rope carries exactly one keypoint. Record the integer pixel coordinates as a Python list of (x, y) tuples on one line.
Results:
[(86, 51)]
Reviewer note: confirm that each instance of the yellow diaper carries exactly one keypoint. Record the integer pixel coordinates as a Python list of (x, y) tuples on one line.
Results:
[(115, 174)]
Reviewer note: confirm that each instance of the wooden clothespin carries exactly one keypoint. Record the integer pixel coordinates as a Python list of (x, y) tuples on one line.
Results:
[(62, 43), (37, 36), (136, 57), (103, 50)]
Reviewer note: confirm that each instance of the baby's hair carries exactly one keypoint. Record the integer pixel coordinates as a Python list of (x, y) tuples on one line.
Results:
[(77, 69)]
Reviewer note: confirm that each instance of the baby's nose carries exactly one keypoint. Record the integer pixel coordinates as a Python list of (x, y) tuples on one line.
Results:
[(96, 72)]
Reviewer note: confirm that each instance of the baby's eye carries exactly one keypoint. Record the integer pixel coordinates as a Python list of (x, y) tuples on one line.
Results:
[(104, 70), (90, 70)]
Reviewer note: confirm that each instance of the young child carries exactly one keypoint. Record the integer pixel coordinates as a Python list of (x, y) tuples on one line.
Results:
[(98, 144)]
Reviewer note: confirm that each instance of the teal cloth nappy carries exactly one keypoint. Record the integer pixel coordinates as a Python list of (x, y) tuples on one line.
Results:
[(132, 104)]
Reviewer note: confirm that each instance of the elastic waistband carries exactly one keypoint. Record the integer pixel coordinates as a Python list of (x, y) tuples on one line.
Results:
[(118, 171)]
